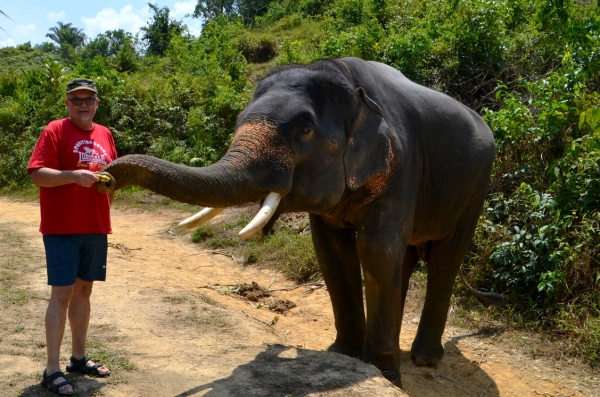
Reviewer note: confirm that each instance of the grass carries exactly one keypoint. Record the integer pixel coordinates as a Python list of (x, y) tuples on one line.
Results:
[(28, 192), (113, 359), (288, 249), (202, 233), (191, 311), (143, 199), (177, 300), (15, 261)]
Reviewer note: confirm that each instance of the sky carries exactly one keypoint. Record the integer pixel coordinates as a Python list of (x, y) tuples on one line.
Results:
[(30, 20)]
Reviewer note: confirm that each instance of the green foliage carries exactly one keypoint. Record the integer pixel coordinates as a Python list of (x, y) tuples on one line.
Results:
[(36, 98), (23, 59), (529, 258), (66, 34), (285, 249), (541, 225), (69, 39), (160, 29), (202, 233), (108, 44), (126, 58), (292, 254), (247, 10)]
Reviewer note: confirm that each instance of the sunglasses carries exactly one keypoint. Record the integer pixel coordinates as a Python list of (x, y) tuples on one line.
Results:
[(88, 101)]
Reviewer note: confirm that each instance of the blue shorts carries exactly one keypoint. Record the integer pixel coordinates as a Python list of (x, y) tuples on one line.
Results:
[(72, 256)]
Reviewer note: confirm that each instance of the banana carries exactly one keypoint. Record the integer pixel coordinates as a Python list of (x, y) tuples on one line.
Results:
[(103, 178)]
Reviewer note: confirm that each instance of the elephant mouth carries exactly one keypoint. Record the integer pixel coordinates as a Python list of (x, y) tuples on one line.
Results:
[(261, 219)]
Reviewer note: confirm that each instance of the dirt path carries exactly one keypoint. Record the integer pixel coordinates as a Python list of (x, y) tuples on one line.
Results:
[(185, 339)]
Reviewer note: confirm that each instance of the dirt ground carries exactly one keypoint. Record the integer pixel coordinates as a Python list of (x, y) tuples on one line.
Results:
[(169, 307)]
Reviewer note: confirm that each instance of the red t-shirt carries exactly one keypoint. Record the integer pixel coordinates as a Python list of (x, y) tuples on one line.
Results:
[(73, 209)]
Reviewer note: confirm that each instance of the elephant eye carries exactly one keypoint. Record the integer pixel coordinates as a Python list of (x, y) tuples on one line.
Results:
[(307, 133)]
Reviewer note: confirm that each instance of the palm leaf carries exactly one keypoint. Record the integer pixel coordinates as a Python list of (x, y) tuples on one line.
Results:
[(3, 13)]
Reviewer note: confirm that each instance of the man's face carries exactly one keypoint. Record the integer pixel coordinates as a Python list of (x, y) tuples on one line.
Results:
[(83, 113)]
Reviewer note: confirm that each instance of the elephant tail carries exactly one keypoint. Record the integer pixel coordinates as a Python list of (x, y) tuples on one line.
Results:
[(486, 298)]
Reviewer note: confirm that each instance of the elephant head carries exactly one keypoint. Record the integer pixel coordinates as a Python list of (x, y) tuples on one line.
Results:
[(308, 136)]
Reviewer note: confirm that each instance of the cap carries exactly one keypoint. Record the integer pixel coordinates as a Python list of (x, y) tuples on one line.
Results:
[(81, 84)]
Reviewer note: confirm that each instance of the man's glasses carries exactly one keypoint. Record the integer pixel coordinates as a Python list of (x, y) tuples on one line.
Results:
[(88, 101)]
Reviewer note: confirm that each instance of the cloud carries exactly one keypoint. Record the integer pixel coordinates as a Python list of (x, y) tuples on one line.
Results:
[(6, 42), (57, 16), (26, 30), (19, 34), (181, 9), (127, 19)]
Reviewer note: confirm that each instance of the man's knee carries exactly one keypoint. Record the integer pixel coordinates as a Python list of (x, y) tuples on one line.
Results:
[(82, 288), (61, 295)]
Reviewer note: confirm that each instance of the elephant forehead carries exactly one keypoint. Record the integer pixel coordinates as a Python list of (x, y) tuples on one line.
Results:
[(263, 141)]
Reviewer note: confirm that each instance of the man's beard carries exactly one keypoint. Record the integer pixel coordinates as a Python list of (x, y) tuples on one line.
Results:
[(83, 117)]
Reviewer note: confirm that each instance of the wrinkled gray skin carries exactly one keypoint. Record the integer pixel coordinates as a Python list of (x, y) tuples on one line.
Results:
[(389, 172)]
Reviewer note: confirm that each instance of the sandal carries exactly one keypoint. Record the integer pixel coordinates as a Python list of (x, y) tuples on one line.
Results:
[(82, 367), (48, 383)]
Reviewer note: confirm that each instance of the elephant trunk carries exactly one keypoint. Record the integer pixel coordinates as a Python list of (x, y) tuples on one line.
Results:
[(258, 165), (219, 185)]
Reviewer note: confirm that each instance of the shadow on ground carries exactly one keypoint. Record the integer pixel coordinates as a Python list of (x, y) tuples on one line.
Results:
[(84, 385), (277, 370), (454, 376), (283, 371)]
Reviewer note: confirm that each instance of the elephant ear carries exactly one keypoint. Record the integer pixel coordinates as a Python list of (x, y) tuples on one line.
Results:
[(368, 149)]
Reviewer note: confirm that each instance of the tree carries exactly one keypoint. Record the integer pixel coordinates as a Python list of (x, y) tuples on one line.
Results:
[(248, 10), (127, 57), (66, 34), (46, 46), (25, 46), (160, 29), (107, 44), (211, 9)]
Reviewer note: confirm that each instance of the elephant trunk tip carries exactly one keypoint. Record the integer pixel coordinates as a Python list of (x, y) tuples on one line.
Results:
[(106, 183)]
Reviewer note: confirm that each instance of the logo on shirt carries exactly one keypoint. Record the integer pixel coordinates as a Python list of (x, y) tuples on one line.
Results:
[(90, 152)]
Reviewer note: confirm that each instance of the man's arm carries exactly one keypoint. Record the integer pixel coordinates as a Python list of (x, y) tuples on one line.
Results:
[(48, 177)]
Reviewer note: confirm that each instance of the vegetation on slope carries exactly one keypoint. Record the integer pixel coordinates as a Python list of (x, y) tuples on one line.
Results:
[(531, 68)]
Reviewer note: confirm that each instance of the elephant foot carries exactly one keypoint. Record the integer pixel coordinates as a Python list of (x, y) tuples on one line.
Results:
[(421, 361), (346, 350), (424, 355), (393, 377), (388, 362)]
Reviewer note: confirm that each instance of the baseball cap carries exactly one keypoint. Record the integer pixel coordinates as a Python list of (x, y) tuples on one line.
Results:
[(81, 84)]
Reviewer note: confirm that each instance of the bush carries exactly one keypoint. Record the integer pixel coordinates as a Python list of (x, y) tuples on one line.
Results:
[(202, 233)]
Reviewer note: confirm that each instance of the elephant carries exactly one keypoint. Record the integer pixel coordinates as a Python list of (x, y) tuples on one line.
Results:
[(390, 173)]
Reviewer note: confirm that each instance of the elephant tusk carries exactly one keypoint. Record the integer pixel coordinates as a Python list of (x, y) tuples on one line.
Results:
[(262, 217), (201, 217)]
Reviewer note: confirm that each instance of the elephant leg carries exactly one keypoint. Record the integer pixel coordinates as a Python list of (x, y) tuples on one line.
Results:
[(411, 259), (443, 264), (382, 256), (340, 266)]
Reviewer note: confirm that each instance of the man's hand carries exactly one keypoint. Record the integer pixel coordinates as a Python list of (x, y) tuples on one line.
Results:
[(48, 177), (84, 178)]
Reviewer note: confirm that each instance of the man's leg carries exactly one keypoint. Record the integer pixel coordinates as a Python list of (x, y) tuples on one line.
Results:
[(79, 319), (56, 315)]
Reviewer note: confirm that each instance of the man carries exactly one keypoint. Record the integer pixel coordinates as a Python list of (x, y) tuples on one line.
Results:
[(75, 221)]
